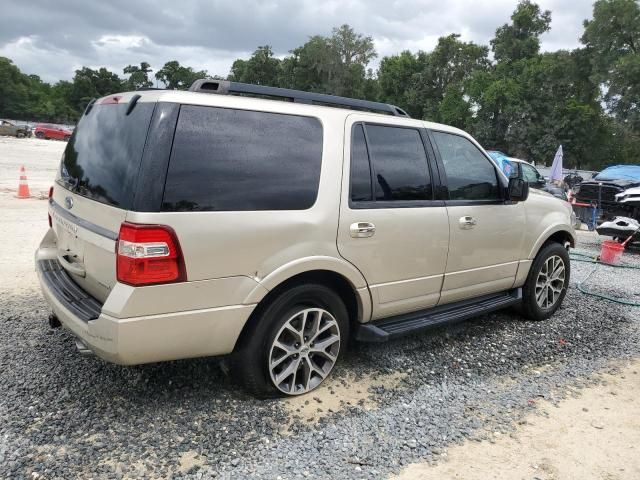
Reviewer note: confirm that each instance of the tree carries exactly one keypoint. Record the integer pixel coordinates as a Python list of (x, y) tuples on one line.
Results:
[(521, 38), (335, 65), (445, 71), (138, 76), (261, 69), (177, 77), (398, 78), (612, 38), (88, 84)]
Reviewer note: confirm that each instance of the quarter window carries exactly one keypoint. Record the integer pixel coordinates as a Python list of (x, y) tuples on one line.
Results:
[(235, 160), (470, 175)]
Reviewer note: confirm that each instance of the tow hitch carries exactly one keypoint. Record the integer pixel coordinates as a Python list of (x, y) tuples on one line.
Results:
[(53, 321)]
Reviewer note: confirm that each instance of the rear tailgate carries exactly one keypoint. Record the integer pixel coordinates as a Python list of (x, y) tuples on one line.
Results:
[(95, 188)]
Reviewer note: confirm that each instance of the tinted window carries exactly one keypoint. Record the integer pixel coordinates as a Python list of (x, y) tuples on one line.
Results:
[(226, 159), (360, 169), (470, 175), (102, 159), (399, 163)]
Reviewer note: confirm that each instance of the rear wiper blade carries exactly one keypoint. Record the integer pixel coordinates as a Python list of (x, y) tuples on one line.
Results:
[(89, 106)]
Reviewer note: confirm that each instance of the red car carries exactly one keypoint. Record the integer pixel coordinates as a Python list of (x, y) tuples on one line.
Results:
[(56, 132)]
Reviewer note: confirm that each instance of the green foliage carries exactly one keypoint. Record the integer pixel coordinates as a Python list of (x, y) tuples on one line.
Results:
[(261, 69), (177, 77), (521, 38), (335, 65), (613, 38), (138, 76)]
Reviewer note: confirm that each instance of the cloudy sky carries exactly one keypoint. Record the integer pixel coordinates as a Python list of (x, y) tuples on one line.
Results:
[(53, 38)]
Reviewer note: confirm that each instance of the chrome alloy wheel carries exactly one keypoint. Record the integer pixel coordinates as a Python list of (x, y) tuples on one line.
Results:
[(304, 351), (550, 282)]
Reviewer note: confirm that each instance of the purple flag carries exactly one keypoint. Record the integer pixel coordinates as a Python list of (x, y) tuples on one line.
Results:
[(556, 168)]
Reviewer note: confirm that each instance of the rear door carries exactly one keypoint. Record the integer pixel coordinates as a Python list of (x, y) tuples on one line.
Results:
[(486, 232), (391, 228), (94, 189)]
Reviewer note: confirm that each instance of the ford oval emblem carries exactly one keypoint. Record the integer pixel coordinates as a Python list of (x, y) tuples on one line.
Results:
[(68, 202)]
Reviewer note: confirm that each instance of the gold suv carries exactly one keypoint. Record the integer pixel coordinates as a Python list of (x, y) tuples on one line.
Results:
[(224, 220)]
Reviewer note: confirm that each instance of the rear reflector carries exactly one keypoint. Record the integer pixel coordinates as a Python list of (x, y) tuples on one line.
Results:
[(148, 255), (49, 215)]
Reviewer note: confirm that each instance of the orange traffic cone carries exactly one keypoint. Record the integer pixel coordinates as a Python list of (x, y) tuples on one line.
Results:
[(23, 187)]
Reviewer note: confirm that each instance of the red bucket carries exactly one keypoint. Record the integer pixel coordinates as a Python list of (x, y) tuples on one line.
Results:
[(611, 252)]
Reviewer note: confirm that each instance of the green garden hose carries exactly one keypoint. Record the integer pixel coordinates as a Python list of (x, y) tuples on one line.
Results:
[(589, 258)]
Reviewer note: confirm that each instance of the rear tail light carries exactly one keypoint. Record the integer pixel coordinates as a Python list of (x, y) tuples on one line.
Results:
[(148, 255), (50, 197)]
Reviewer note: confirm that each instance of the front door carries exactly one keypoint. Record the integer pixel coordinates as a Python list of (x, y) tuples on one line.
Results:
[(486, 232), (390, 227)]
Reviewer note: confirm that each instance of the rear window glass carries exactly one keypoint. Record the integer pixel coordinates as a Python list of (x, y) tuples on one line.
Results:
[(399, 163), (226, 159), (103, 156)]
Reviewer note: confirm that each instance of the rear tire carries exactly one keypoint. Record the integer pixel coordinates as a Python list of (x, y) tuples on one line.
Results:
[(547, 282), (292, 347), (40, 135)]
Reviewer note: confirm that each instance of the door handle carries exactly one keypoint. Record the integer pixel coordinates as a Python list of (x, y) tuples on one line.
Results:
[(467, 222), (362, 229)]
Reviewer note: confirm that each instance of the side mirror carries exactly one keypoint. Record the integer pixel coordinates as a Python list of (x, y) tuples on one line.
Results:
[(518, 190)]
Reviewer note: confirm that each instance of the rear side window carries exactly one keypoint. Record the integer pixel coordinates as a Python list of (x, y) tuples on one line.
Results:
[(398, 160), (102, 159), (470, 175), (235, 160)]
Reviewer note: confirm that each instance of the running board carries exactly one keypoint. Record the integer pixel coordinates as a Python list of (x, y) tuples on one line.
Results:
[(393, 327)]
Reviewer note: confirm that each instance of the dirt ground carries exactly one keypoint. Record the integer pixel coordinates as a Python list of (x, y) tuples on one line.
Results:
[(24, 221), (595, 435)]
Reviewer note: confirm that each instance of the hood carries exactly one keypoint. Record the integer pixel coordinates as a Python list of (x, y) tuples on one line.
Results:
[(622, 183), (620, 172)]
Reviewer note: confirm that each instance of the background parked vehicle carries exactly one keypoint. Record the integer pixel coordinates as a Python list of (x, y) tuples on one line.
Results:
[(13, 130), (56, 132), (531, 175), (607, 190)]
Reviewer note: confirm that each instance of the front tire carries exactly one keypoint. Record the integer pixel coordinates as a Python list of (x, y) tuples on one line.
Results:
[(40, 135), (294, 343), (547, 282)]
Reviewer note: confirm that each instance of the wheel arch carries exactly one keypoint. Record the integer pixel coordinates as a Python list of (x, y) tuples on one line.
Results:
[(558, 233), (357, 300)]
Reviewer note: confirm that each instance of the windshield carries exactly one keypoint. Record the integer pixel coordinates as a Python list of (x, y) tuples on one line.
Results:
[(103, 156)]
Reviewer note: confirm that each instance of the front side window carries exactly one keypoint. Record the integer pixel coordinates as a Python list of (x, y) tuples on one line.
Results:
[(238, 160), (529, 174), (470, 175)]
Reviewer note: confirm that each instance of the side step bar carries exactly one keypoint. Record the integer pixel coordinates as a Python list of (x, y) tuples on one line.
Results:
[(393, 327)]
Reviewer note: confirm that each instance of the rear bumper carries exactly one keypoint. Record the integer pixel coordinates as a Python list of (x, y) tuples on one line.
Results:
[(140, 339)]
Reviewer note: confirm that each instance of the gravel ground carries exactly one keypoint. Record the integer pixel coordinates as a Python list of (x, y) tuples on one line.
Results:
[(67, 416)]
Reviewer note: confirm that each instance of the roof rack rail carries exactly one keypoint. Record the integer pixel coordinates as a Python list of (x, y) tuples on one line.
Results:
[(226, 87)]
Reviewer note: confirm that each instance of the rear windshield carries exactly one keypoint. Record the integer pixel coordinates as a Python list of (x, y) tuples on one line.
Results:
[(103, 156), (226, 159)]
